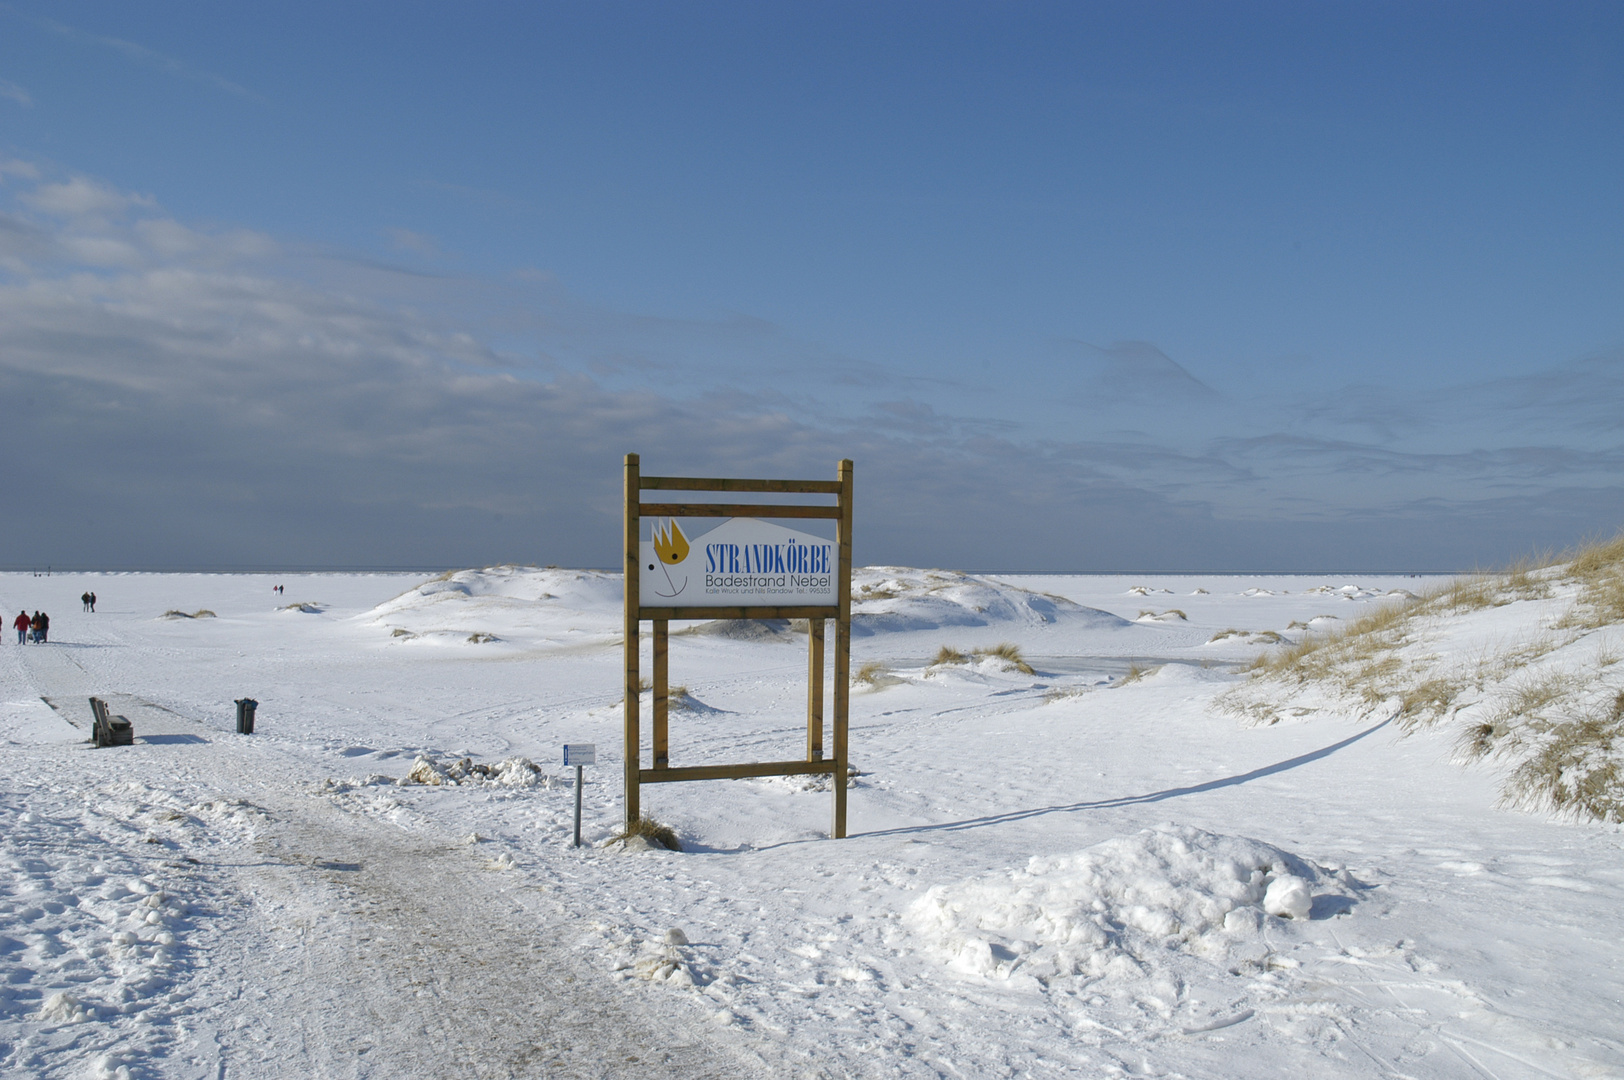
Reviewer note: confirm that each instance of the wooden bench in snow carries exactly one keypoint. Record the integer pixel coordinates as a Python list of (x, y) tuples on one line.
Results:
[(109, 730)]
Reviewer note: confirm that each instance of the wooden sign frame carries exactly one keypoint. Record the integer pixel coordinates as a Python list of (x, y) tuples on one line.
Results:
[(635, 614)]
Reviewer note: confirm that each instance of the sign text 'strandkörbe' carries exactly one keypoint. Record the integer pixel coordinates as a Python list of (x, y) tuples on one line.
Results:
[(743, 562)]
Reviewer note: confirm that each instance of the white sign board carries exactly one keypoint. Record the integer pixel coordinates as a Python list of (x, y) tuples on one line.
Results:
[(743, 562), (580, 753)]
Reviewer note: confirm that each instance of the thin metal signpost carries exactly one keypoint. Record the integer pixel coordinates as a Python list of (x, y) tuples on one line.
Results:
[(579, 755), (827, 566)]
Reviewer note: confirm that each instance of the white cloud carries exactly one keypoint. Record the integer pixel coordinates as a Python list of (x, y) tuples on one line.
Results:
[(83, 197), (147, 57), (218, 398), (12, 92), (407, 240)]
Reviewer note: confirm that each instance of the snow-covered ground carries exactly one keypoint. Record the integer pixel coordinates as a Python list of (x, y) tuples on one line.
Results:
[(1089, 870)]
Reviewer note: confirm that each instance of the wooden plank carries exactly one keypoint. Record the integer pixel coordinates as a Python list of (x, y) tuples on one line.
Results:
[(705, 613), (633, 585), (842, 701), (814, 690), (662, 695), (738, 772), (745, 510), (696, 483)]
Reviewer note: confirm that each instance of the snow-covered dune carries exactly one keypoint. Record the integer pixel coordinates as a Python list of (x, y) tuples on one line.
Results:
[(895, 599), (513, 605), (528, 606)]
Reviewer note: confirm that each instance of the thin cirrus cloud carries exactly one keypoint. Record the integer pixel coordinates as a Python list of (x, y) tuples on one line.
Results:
[(196, 397), (141, 55), (12, 92)]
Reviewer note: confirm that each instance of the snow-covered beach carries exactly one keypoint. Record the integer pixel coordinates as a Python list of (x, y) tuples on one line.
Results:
[(1101, 867)]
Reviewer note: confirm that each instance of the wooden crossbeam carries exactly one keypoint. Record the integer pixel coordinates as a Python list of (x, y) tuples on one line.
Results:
[(753, 510), (694, 483), (737, 772)]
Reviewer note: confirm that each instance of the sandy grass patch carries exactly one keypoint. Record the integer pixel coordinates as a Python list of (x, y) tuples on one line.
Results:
[(648, 829)]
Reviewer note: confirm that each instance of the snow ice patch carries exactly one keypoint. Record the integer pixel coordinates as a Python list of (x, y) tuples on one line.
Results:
[(1099, 912)]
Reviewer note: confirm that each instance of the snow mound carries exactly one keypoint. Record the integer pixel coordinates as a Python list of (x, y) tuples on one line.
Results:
[(579, 589), (464, 772), (1099, 912), (515, 603), (892, 599)]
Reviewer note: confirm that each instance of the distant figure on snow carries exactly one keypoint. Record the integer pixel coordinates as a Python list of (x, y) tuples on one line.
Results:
[(92, 602), (43, 632), (21, 622), (84, 601)]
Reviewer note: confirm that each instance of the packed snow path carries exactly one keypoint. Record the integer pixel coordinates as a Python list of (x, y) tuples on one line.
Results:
[(300, 939), (1057, 874)]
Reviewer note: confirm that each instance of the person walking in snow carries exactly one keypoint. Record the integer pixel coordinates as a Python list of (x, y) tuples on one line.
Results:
[(21, 623), (84, 601), (44, 630), (33, 628), (92, 603)]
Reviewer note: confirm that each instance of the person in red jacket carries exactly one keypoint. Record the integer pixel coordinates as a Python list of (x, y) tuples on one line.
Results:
[(21, 623)]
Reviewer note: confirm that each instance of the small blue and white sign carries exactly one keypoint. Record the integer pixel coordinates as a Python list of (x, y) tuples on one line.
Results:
[(580, 754)]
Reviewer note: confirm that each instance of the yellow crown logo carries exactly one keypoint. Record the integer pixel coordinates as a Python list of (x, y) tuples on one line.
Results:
[(670, 544)]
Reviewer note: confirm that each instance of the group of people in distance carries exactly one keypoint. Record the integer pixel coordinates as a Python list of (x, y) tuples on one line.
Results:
[(32, 629), (37, 627)]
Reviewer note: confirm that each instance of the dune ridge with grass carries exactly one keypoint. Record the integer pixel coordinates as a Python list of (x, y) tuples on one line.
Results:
[(1523, 662)]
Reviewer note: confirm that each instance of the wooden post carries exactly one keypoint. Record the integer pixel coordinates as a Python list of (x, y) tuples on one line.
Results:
[(814, 690), (662, 695), (634, 589), (842, 646)]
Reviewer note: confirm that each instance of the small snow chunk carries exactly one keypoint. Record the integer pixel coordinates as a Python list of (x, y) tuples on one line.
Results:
[(675, 936), (63, 1008), (1288, 897), (108, 1067)]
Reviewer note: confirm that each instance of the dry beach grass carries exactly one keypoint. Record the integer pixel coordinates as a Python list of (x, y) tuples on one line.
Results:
[(1539, 696)]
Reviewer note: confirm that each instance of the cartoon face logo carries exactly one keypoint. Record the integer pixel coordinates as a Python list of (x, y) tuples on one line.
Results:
[(671, 547)]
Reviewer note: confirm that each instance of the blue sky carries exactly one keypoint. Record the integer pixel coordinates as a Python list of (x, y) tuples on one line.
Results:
[(1285, 286)]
